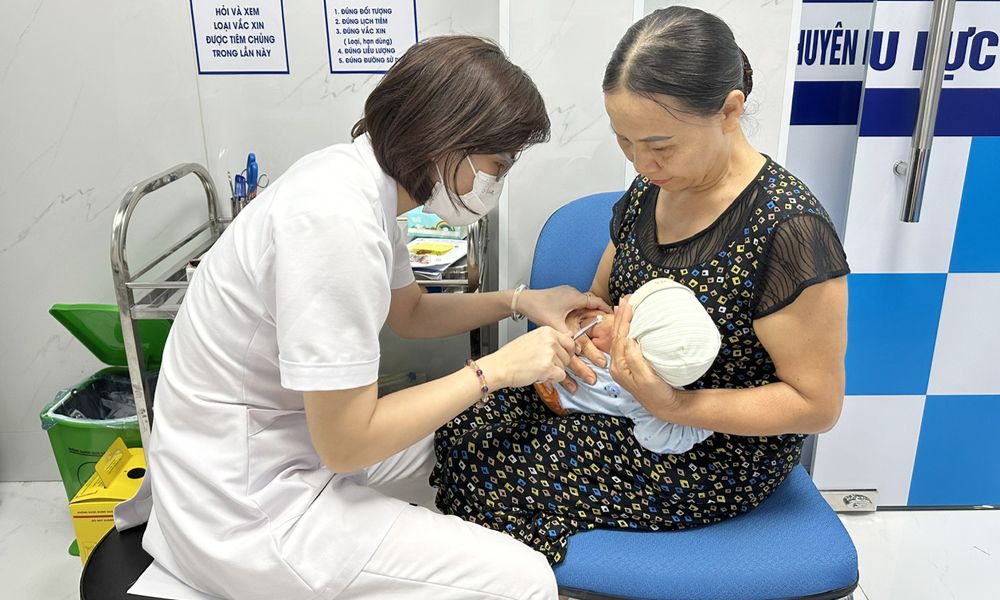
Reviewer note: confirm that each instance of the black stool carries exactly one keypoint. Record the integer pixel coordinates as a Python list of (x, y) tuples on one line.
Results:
[(115, 564)]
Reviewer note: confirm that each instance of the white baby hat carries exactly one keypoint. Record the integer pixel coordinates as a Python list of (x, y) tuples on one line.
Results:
[(674, 332)]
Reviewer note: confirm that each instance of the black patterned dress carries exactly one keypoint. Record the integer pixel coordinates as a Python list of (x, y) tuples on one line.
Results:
[(513, 466)]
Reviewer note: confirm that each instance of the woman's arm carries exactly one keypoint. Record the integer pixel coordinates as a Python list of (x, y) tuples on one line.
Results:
[(414, 314), (599, 286), (354, 428), (807, 341)]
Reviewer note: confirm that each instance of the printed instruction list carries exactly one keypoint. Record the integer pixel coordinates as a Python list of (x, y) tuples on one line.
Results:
[(368, 37)]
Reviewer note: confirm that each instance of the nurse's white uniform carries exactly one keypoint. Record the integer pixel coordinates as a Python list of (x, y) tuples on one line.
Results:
[(291, 299)]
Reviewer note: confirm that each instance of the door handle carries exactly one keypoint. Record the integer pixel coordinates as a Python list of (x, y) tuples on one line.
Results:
[(915, 170)]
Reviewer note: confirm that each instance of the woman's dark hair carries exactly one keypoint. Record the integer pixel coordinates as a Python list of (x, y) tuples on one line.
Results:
[(448, 97), (682, 52)]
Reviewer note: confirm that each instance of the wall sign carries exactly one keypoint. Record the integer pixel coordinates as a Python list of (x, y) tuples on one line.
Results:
[(369, 37), (244, 37)]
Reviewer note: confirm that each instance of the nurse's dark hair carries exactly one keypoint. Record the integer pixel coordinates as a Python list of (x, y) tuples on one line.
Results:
[(445, 98), (685, 53)]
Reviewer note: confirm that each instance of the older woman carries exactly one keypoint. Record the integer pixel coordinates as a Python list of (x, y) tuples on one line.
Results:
[(713, 213)]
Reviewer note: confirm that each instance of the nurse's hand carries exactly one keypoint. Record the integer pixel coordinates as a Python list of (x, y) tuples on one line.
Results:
[(552, 306), (539, 356)]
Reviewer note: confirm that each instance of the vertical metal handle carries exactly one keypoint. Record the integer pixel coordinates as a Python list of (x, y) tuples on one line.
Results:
[(122, 276), (915, 170)]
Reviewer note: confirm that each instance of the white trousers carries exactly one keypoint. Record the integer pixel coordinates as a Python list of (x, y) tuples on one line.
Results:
[(427, 555)]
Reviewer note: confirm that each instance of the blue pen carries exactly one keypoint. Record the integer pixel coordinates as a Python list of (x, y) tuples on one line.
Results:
[(251, 176), (241, 194)]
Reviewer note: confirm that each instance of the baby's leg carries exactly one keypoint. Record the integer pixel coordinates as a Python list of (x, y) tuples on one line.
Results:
[(662, 437)]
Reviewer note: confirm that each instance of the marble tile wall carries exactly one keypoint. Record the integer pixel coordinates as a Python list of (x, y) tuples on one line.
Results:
[(94, 97), (564, 46)]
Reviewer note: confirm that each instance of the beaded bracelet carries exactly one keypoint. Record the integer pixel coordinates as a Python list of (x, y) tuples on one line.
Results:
[(485, 389)]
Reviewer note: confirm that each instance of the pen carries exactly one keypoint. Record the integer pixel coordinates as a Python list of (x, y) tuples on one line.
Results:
[(587, 327)]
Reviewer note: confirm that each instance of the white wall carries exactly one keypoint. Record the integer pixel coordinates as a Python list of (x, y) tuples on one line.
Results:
[(94, 97), (97, 96)]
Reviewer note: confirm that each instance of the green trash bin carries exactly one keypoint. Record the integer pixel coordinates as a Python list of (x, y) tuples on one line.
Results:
[(84, 420)]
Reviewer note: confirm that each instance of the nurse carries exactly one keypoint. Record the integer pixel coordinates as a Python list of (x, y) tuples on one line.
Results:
[(269, 433)]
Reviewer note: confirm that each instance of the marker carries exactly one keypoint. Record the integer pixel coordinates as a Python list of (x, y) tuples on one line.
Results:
[(241, 195), (251, 176)]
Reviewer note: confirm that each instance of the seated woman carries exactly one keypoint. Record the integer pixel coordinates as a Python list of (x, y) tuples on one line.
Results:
[(679, 340), (712, 213)]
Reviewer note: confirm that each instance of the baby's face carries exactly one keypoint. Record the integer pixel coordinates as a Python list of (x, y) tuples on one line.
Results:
[(603, 333)]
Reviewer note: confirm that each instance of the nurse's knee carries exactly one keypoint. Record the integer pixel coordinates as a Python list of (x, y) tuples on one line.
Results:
[(539, 582)]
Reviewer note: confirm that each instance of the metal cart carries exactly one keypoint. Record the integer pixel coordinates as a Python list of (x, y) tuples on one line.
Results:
[(161, 299)]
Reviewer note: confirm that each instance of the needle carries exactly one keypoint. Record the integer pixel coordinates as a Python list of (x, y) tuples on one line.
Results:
[(587, 327)]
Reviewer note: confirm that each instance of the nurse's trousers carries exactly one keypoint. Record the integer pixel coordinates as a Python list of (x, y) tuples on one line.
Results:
[(427, 555)]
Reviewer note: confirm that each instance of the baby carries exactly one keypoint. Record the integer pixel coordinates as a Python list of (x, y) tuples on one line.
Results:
[(679, 340)]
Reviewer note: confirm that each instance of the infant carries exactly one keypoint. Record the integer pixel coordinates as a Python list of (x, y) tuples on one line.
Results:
[(679, 340)]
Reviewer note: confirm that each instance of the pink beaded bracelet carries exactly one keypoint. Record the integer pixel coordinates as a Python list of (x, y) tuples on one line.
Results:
[(485, 389)]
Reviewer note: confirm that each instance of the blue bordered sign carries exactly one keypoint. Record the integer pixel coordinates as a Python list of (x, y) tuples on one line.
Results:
[(239, 37), (368, 37)]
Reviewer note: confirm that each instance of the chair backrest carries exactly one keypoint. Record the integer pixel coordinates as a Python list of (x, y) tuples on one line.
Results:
[(571, 242)]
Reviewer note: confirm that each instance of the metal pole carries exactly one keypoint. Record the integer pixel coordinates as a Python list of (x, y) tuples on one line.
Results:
[(915, 170)]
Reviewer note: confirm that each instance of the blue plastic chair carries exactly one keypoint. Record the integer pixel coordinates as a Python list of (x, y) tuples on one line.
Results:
[(792, 546)]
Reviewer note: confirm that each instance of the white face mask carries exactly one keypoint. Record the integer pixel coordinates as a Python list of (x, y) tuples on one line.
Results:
[(484, 197)]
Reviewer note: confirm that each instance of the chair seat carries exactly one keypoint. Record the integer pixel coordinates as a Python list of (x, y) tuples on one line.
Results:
[(115, 564), (791, 546)]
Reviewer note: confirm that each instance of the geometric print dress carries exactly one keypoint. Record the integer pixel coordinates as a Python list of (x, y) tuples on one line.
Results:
[(513, 466)]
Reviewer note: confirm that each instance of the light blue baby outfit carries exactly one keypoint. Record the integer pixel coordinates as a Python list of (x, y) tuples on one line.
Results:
[(608, 398)]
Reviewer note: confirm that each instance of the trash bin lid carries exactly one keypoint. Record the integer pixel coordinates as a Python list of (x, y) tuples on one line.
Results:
[(99, 328)]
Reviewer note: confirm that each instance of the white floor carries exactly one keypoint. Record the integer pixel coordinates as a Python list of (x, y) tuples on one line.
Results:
[(913, 555)]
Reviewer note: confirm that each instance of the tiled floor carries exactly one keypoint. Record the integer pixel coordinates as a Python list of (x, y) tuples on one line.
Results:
[(912, 555), (35, 532)]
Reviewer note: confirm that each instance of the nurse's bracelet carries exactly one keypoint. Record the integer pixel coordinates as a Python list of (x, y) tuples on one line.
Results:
[(485, 389), (514, 315)]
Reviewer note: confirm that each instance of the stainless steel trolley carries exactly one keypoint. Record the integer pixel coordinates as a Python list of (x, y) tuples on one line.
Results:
[(161, 299)]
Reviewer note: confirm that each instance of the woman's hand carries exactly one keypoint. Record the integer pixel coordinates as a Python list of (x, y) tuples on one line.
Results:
[(541, 355), (552, 306), (630, 369)]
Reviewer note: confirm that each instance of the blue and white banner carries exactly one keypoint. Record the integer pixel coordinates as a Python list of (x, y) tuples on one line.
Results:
[(923, 387)]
